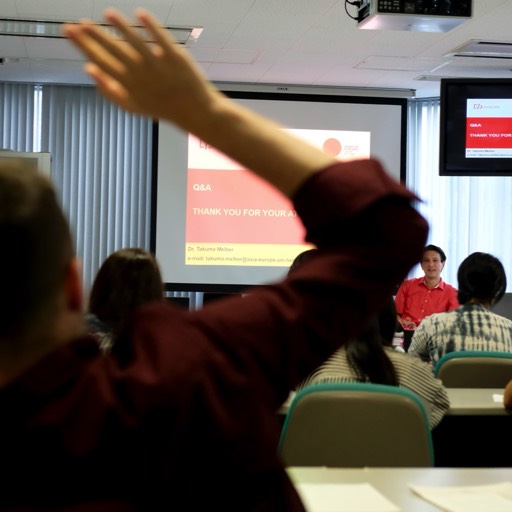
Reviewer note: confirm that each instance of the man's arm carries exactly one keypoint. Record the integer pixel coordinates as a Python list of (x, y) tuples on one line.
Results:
[(161, 81), (453, 301), (400, 300)]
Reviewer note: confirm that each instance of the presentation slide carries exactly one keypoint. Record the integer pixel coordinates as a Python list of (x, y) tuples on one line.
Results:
[(235, 218), (489, 128), (217, 227)]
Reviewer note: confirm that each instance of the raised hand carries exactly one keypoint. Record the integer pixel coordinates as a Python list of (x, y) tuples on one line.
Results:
[(156, 79), (160, 80)]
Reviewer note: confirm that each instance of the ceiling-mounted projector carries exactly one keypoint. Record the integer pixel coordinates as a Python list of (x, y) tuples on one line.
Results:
[(413, 15)]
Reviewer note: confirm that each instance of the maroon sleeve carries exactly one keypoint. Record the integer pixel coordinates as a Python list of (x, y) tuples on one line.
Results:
[(270, 340), (211, 380)]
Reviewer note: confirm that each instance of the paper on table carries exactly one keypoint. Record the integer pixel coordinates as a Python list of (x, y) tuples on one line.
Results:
[(344, 498), (474, 498)]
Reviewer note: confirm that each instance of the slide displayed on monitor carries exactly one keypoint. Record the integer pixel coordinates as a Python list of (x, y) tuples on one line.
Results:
[(475, 127), (489, 128), (217, 227)]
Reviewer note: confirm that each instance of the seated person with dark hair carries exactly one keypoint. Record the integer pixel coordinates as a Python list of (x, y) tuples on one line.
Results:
[(371, 358), (126, 280), (420, 297), (507, 395), (301, 258), (473, 326)]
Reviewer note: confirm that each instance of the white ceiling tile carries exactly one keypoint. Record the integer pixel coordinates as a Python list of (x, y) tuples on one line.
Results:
[(8, 9), (38, 48), (13, 47), (204, 54), (54, 9), (281, 41), (381, 62)]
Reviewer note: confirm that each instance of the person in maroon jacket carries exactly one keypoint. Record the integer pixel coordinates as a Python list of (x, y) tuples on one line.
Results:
[(184, 416)]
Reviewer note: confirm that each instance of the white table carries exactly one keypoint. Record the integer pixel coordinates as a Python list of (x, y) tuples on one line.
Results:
[(476, 401), (394, 483)]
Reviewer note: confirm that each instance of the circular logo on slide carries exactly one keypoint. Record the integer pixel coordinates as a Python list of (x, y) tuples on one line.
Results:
[(332, 147)]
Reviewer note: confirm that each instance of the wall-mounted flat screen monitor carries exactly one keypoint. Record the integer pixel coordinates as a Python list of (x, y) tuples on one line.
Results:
[(475, 127), (217, 227)]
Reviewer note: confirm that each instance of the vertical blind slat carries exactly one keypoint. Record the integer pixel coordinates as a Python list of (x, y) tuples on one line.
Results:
[(17, 115), (99, 161)]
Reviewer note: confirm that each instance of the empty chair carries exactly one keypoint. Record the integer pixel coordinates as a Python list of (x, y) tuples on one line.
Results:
[(474, 369), (356, 425)]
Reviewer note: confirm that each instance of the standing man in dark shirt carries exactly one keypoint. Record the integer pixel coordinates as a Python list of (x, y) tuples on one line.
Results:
[(185, 417)]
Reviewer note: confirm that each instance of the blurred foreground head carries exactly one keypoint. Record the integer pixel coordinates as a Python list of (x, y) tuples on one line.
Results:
[(35, 256)]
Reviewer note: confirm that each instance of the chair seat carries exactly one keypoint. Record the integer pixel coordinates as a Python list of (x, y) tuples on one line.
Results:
[(356, 425)]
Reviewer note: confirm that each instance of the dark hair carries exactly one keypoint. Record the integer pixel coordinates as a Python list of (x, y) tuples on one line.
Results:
[(127, 279), (437, 249), (481, 276), (301, 258), (36, 252), (366, 355)]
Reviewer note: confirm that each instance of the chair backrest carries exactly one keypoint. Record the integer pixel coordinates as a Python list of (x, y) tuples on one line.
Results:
[(356, 425), (474, 369)]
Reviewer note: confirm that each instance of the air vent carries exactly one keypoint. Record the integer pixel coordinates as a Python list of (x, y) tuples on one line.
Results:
[(483, 49)]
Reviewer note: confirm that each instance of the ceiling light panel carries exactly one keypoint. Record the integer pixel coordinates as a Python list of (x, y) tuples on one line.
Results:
[(53, 29)]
